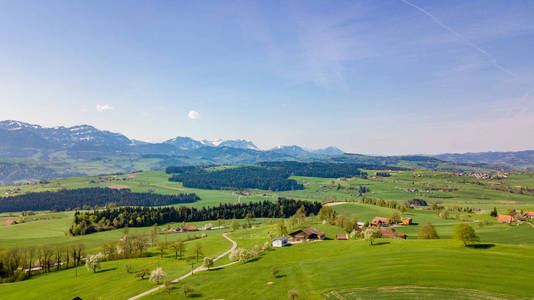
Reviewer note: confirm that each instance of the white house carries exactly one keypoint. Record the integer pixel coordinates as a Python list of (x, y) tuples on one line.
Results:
[(280, 241)]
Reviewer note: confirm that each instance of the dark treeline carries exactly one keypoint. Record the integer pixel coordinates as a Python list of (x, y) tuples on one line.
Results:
[(236, 178), (383, 174), (87, 198), (266, 176), (317, 169), (101, 220)]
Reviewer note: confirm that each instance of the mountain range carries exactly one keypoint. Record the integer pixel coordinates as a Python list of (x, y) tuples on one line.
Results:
[(23, 140), (30, 152)]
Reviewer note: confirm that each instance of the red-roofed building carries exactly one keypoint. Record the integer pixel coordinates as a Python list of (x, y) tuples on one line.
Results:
[(380, 221), (504, 219), (528, 214), (188, 228), (342, 236)]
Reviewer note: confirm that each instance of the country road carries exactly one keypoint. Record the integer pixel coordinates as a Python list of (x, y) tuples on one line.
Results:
[(198, 269)]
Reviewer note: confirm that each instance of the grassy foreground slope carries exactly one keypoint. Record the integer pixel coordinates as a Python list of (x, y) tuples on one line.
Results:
[(316, 269), (112, 281)]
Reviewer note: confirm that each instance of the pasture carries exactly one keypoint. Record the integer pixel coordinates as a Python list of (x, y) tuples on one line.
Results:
[(317, 269)]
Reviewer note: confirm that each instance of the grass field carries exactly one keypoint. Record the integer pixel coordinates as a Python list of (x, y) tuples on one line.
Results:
[(394, 269), (318, 268), (112, 281), (430, 185)]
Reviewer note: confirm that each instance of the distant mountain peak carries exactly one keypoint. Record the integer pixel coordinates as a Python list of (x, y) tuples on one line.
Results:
[(239, 143), (213, 143), (330, 151), (16, 125)]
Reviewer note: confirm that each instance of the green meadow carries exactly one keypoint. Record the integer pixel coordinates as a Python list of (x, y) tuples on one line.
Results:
[(321, 269), (330, 269)]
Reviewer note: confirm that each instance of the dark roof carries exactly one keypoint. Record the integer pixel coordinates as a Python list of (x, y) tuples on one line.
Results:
[(309, 230)]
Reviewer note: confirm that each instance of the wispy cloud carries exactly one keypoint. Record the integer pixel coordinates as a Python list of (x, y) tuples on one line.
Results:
[(104, 107), (437, 21), (193, 115)]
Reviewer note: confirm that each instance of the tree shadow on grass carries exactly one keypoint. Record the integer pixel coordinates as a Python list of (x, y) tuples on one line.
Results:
[(280, 276), (481, 246), (106, 270), (381, 243), (194, 295), (256, 258)]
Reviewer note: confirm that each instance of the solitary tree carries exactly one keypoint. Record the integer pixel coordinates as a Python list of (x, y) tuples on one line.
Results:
[(427, 232), (142, 273), (494, 213), (157, 275), (370, 234), (275, 271), (92, 262), (198, 250), (161, 248), (234, 224), (208, 262), (187, 289), (395, 217), (300, 215), (465, 233), (281, 228), (177, 247), (293, 294), (154, 234)]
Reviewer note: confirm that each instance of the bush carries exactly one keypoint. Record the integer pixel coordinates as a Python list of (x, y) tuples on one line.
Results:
[(427, 232)]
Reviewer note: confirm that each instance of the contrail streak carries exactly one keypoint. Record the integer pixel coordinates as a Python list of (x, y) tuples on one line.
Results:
[(490, 57)]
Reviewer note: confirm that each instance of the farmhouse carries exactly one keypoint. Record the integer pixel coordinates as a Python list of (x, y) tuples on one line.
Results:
[(380, 221), (280, 241), (188, 228), (10, 222), (528, 214), (389, 233), (407, 221), (505, 219), (307, 234), (342, 236)]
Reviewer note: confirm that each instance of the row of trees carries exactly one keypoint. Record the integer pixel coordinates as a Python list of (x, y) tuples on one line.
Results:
[(101, 220), (89, 197), (383, 203), (21, 263)]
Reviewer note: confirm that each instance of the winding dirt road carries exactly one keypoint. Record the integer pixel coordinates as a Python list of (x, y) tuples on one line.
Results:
[(198, 269)]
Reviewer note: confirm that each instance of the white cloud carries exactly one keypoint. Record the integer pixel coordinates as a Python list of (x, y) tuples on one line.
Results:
[(102, 108), (193, 115)]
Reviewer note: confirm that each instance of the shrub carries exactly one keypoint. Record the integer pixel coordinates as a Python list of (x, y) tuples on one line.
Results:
[(427, 232)]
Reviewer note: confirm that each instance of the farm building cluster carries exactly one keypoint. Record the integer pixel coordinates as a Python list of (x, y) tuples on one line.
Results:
[(515, 217)]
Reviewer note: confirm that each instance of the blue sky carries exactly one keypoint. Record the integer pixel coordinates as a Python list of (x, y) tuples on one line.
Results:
[(376, 77)]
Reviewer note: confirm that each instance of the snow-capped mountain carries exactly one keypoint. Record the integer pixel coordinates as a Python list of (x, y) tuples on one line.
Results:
[(209, 143), (241, 144), (185, 143), (24, 140)]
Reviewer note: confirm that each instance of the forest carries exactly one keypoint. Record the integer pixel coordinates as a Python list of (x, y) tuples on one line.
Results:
[(109, 219), (272, 176), (87, 198), (318, 169), (237, 178)]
